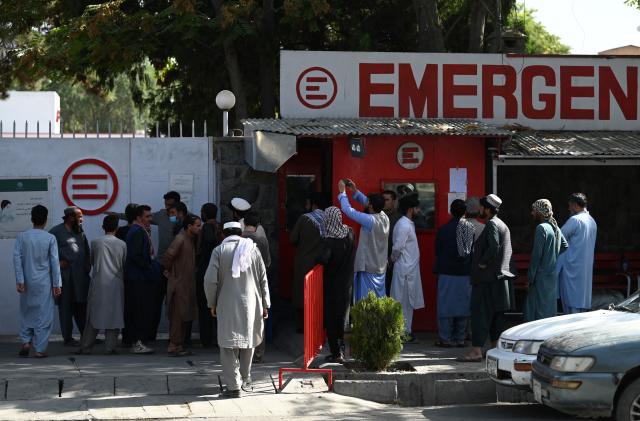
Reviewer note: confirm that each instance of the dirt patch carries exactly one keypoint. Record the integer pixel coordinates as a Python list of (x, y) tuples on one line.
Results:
[(395, 367)]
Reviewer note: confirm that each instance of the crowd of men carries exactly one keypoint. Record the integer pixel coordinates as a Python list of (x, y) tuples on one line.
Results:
[(474, 264), (119, 282), (386, 259)]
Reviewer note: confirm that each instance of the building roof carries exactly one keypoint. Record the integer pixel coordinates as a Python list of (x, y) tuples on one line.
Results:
[(325, 127), (573, 144), (627, 50)]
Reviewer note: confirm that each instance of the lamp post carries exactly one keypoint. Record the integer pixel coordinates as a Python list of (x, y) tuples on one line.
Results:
[(225, 100)]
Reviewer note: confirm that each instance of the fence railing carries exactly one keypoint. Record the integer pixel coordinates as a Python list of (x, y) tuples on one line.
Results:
[(98, 129), (314, 333)]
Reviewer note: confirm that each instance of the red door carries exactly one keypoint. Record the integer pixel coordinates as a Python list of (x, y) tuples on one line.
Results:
[(299, 176)]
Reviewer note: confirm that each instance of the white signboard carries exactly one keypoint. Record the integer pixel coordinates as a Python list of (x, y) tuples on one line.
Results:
[(17, 197), (541, 92)]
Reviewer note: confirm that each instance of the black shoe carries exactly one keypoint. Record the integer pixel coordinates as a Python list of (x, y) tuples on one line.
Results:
[(231, 394), (257, 360), (71, 342), (336, 359)]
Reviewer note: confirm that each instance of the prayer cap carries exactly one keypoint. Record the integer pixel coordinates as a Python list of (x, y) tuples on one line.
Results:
[(494, 200), (240, 204), (231, 225)]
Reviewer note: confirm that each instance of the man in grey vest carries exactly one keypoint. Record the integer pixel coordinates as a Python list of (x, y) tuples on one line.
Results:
[(371, 259), (491, 293)]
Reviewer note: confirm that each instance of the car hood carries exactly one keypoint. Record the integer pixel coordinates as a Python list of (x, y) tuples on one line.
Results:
[(541, 330), (624, 329)]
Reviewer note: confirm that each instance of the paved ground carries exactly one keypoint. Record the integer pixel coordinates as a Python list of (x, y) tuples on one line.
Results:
[(161, 387)]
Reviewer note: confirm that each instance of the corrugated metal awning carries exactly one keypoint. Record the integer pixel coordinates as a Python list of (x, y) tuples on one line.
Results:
[(572, 144), (325, 127)]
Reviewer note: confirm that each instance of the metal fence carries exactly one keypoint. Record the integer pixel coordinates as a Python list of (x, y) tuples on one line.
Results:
[(178, 128)]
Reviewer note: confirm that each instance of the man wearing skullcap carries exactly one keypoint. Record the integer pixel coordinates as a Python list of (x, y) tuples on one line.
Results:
[(548, 244), (491, 293), (237, 291), (239, 207)]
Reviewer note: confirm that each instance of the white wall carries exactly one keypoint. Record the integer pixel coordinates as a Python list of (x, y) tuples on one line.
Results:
[(143, 168), (32, 107)]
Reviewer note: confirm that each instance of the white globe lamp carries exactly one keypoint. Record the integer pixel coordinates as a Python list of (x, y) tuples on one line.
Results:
[(225, 100)]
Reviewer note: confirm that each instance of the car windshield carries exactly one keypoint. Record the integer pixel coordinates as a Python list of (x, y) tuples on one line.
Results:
[(631, 304)]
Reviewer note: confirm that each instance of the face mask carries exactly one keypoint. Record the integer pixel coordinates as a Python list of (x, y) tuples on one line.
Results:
[(173, 219)]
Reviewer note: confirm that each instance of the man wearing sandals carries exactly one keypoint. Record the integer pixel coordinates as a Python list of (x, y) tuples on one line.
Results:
[(238, 295), (179, 262), (38, 281)]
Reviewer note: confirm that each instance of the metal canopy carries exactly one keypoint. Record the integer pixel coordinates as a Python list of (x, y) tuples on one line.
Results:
[(266, 151)]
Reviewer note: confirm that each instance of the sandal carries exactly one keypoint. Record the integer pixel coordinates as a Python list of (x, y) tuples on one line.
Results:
[(40, 355), (181, 353), (469, 359), (442, 344)]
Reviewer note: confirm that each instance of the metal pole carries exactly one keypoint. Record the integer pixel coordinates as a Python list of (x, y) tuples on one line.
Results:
[(193, 128), (157, 129), (26, 128), (109, 126), (225, 123), (61, 129), (145, 129), (49, 129), (97, 129), (14, 129), (85, 129), (168, 128), (0, 129), (205, 128), (38, 129), (180, 128)]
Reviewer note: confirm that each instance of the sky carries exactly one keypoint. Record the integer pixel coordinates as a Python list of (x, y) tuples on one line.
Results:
[(589, 26)]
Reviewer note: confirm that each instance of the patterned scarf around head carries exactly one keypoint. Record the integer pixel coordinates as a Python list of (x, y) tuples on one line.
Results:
[(333, 226), (317, 217), (544, 208)]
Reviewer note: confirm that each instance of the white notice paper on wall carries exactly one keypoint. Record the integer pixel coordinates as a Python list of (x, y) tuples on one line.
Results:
[(458, 180), (453, 196), (183, 184)]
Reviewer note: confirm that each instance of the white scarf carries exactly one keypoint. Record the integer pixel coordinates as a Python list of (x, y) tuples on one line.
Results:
[(242, 255)]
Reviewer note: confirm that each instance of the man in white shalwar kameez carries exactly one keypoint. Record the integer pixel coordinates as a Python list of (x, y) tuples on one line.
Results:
[(38, 281), (105, 301), (406, 286), (575, 266), (237, 291)]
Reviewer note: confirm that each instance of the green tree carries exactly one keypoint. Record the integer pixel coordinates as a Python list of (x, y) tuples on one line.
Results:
[(539, 40), (199, 47)]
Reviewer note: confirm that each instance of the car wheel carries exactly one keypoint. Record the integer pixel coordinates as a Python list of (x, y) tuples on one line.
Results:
[(628, 407)]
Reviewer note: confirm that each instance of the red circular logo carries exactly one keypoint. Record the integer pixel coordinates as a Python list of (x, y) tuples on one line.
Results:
[(316, 88), (91, 185)]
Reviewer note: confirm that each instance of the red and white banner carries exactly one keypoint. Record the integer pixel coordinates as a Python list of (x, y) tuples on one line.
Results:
[(553, 92)]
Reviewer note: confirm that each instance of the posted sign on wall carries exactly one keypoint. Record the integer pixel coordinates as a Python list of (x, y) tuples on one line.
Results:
[(559, 92)]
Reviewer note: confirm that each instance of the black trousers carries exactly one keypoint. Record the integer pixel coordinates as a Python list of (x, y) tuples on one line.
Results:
[(70, 310), (487, 313), (388, 278), (140, 310), (128, 313), (158, 295), (208, 326)]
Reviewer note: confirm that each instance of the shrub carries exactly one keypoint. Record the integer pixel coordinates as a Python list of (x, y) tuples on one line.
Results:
[(376, 336)]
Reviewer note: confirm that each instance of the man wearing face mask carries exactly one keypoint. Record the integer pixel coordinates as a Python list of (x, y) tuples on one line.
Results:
[(406, 286), (75, 265)]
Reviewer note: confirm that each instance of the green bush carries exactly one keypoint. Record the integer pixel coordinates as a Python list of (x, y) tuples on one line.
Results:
[(376, 336)]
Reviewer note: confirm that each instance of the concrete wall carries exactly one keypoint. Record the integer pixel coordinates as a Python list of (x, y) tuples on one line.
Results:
[(143, 168)]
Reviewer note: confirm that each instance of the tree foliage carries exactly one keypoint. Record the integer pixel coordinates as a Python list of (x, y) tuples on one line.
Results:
[(539, 40), (199, 47)]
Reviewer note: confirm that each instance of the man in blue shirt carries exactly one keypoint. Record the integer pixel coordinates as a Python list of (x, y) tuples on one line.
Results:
[(372, 255)]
